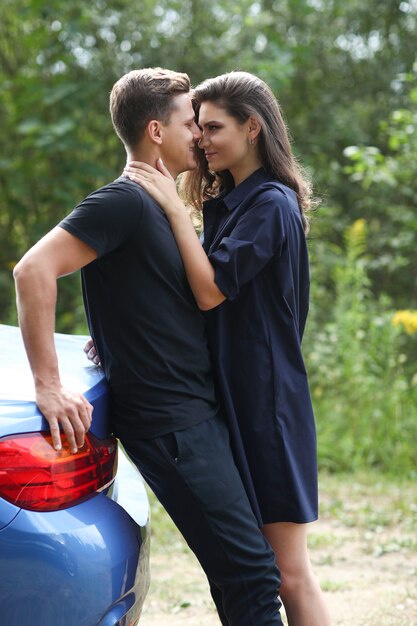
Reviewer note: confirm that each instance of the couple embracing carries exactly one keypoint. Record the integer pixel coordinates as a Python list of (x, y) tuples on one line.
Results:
[(200, 341)]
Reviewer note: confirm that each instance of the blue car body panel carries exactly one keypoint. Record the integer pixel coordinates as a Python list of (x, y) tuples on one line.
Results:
[(86, 565)]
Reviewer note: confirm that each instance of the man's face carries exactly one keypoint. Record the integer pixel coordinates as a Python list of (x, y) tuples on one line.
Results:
[(179, 137)]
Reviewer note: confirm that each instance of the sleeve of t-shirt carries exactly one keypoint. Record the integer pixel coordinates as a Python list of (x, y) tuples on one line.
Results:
[(257, 236), (106, 218)]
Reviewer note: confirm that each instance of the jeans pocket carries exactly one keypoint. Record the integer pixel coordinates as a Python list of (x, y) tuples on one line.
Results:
[(169, 445)]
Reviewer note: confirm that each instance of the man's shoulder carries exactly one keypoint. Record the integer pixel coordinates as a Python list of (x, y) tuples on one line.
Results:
[(108, 216), (121, 194), (120, 187)]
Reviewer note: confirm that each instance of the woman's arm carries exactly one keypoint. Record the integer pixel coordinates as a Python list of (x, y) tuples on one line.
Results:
[(200, 273)]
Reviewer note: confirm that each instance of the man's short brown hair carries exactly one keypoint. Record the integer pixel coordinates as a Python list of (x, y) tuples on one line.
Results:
[(144, 95)]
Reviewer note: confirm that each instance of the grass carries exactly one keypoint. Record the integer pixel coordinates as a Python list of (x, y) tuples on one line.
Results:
[(363, 550)]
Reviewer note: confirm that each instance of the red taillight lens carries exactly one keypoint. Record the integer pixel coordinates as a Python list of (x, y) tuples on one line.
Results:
[(35, 476)]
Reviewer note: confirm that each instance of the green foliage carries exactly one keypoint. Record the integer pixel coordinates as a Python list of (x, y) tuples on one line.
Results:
[(363, 386), (385, 175)]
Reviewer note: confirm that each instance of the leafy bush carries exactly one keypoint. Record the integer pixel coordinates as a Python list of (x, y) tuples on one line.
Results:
[(363, 385)]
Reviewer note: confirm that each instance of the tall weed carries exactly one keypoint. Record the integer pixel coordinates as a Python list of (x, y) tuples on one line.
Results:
[(362, 383)]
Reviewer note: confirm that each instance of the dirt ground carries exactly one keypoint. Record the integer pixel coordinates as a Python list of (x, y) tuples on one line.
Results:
[(363, 549)]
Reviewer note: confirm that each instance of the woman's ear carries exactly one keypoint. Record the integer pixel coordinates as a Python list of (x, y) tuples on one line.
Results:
[(154, 131), (254, 128)]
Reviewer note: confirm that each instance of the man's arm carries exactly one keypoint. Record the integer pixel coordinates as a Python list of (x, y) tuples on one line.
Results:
[(36, 274)]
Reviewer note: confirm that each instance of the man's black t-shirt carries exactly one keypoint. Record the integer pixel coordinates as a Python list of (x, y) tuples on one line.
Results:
[(142, 314)]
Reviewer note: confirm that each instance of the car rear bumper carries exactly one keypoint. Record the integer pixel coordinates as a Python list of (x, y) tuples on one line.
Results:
[(87, 565)]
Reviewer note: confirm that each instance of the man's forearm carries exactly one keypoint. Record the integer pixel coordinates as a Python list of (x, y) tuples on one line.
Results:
[(36, 301), (57, 254)]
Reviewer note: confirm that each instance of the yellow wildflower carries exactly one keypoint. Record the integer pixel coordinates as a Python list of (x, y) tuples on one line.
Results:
[(358, 228), (406, 320)]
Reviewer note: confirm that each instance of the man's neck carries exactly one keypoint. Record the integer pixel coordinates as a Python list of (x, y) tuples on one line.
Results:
[(146, 155)]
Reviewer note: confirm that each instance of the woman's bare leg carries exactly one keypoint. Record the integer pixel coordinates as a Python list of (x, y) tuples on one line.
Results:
[(300, 591)]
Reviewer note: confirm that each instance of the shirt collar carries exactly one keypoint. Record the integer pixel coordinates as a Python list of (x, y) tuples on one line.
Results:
[(239, 193)]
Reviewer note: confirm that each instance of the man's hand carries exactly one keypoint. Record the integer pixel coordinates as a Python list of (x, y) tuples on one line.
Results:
[(91, 352), (68, 409)]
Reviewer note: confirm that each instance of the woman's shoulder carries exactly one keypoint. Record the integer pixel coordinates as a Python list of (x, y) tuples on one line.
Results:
[(275, 193), (276, 189)]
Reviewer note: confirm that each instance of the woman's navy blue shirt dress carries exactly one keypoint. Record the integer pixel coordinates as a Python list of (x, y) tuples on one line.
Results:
[(254, 238)]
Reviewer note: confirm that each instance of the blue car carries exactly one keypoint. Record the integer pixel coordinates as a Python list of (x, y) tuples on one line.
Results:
[(74, 528)]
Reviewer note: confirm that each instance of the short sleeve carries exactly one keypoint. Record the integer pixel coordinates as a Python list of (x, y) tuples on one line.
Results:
[(106, 219), (257, 236)]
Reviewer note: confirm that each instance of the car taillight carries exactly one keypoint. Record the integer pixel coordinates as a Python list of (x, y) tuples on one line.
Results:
[(33, 475)]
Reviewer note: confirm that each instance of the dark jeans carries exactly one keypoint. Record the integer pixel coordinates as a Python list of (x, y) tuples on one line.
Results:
[(193, 474)]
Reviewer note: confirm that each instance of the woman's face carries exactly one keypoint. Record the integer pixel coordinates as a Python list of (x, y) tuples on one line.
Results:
[(226, 143)]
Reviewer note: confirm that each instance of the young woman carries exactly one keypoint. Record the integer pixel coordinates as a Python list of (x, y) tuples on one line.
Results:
[(252, 278)]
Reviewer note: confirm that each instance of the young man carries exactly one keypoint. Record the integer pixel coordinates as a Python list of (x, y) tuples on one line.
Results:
[(151, 340)]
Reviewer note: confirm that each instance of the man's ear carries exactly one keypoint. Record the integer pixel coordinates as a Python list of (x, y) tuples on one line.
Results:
[(154, 129)]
